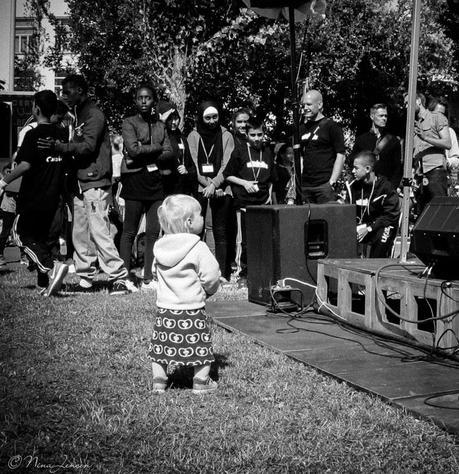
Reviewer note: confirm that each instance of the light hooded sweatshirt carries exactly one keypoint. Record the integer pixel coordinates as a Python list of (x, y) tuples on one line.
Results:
[(187, 272)]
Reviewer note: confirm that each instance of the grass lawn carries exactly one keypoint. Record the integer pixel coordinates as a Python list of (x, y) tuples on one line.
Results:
[(76, 396)]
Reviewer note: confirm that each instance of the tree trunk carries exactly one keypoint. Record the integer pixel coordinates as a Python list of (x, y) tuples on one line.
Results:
[(176, 81)]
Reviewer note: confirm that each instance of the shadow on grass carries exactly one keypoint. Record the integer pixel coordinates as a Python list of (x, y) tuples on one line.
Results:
[(97, 286), (182, 377), (5, 271)]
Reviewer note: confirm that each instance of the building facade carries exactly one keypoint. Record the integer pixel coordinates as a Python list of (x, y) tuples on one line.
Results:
[(24, 61)]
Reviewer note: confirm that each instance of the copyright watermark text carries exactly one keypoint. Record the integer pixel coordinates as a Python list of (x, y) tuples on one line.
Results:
[(33, 462)]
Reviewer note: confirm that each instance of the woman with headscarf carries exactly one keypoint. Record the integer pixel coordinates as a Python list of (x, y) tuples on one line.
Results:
[(210, 146)]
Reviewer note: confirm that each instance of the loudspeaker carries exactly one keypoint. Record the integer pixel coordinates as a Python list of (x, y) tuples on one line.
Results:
[(435, 239), (286, 241)]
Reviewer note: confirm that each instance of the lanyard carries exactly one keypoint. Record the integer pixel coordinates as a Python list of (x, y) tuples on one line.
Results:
[(364, 210), (207, 155), (255, 176)]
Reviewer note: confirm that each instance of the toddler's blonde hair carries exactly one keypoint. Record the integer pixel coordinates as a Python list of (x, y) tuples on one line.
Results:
[(174, 212)]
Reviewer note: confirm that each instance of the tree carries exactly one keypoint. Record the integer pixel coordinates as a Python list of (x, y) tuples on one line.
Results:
[(370, 41), (125, 42), (191, 49)]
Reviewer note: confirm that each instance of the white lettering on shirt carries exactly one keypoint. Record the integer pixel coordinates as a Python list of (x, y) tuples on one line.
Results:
[(257, 164)]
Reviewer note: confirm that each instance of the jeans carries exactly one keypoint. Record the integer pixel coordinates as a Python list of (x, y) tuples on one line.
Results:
[(221, 208), (132, 215), (319, 194), (92, 237), (241, 244), (437, 186)]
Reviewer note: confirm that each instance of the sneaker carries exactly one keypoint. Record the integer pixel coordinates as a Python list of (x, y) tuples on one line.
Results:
[(149, 285), (85, 284), (57, 276), (25, 261), (122, 287), (204, 386), (159, 385), (131, 286), (71, 265)]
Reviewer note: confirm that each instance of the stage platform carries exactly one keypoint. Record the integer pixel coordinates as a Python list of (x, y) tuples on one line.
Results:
[(389, 370), (394, 299)]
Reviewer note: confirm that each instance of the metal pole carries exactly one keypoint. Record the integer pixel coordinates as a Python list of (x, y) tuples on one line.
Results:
[(296, 133), (11, 70), (11, 45), (409, 137)]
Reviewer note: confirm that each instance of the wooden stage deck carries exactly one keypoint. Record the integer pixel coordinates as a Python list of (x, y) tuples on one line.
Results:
[(395, 299), (406, 376)]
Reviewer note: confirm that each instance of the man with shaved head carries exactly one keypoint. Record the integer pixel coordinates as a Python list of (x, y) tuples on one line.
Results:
[(322, 146)]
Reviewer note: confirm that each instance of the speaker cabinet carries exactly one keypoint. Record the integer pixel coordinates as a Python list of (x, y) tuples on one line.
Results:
[(286, 241), (435, 239)]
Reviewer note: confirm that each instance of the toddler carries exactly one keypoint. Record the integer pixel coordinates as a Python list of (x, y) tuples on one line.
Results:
[(187, 274)]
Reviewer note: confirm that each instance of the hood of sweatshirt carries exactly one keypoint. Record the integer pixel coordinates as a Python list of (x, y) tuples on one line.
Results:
[(171, 249)]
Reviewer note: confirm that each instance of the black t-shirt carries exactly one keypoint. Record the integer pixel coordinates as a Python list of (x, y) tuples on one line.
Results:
[(42, 184), (251, 165), (320, 143)]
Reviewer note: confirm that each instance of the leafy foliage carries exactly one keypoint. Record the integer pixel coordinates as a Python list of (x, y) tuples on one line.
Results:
[(194, 49), (360, 55), (123, 43)]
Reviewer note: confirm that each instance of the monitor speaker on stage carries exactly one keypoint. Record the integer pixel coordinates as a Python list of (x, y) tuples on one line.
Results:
[(435, 238), (287, 241)]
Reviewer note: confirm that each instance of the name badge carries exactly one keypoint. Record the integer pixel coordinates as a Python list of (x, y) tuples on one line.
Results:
[(151, 168), (208, 168)]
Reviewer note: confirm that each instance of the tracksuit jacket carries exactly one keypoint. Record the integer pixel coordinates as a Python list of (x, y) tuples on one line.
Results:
[(379, 202)]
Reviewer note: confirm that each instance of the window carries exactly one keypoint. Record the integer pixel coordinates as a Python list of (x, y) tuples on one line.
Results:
[(24, 37)]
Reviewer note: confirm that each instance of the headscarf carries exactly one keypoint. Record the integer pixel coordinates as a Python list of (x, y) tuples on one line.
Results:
[(210, 137)]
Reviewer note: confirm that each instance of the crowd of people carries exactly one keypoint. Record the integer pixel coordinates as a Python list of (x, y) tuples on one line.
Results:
[(76, 177), (99, 189)]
